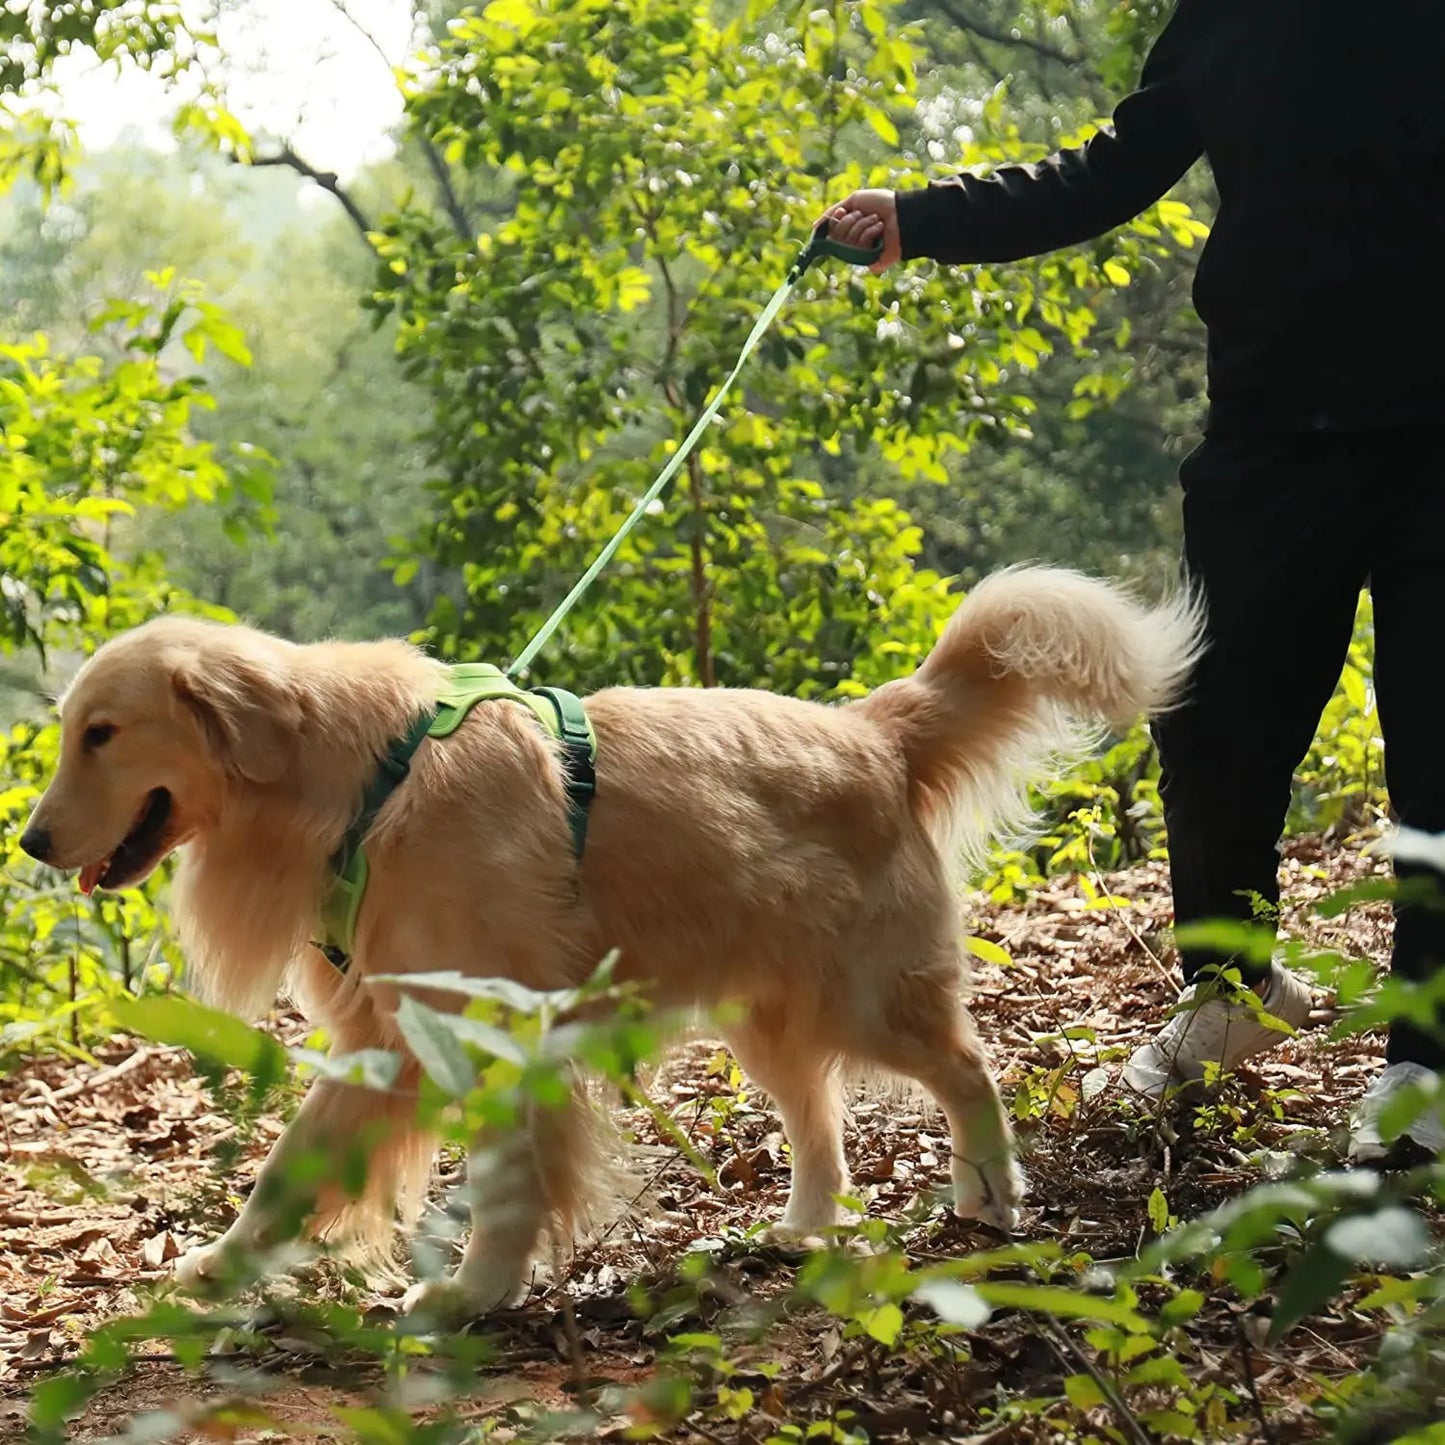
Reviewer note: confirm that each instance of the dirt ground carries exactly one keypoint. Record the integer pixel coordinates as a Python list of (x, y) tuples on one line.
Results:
[(108, 1174)]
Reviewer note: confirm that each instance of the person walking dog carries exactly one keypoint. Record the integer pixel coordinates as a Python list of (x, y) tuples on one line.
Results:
[(1322, 466)]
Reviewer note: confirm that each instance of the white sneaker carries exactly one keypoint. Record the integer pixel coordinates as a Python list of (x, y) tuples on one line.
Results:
[(1373, 1134), (1218, 1030)]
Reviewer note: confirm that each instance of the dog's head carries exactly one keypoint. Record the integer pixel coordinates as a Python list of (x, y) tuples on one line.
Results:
[(156, 731)]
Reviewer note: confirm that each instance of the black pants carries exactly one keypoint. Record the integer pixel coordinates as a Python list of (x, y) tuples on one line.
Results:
[(1281, 533)]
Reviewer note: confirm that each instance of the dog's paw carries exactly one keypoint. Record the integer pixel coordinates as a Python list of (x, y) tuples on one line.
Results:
[(792, 1238), (988, 1190), (204, 1264), (458, 1300)]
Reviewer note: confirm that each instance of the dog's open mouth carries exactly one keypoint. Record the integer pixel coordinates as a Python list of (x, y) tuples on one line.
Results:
[(139, 851)]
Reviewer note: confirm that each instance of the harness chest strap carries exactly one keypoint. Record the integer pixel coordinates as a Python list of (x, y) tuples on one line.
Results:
[(560, 712)]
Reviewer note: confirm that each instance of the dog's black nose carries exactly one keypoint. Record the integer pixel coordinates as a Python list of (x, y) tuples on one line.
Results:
[(36, 842)]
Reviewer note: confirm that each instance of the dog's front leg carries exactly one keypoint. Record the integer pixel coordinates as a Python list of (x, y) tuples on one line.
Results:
[(298, 1183), (508, 1209), (548, 1170), (804, 1085)]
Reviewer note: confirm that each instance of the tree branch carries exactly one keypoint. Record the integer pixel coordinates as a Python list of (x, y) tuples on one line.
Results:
[(974, 25), (341, 8), (451, 202), (326, 180)]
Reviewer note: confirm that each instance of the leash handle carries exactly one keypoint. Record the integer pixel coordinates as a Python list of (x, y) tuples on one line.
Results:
[(822, 244)]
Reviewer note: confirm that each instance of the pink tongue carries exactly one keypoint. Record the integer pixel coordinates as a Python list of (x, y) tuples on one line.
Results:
[(91, 874)]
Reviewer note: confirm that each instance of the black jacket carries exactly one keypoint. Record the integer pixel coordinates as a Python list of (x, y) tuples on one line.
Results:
[(1323, 282)]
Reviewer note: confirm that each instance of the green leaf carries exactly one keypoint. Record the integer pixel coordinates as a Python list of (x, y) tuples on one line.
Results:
[(229, 340), (1316, 1278), (988, 951), (1425, 1435), (1159, 1370), (881, 123), (371, 1068), (1158, 1211), (432, 1039), (709, 1344), (1084, 1392), (884, 1324), (487, 1037), (1390, 1238), (53, 1401), (1394, 1291), (1066, 1303), (1116, 273), (1184, 1306), (206, 1032), (514, 995)]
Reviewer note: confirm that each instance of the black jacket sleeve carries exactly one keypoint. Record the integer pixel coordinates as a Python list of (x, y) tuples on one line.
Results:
[(1075, 195)]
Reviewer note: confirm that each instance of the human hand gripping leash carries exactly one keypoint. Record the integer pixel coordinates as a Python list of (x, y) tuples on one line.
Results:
[(819, 246)]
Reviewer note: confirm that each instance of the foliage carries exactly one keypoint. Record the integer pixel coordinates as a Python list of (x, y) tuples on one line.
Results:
[(88, 446), (324, 396), (36, 36), (1341, 782), (1128, 1365), (321, 394)]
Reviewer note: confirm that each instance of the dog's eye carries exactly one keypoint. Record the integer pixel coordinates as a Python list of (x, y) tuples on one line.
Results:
[(97, 735)]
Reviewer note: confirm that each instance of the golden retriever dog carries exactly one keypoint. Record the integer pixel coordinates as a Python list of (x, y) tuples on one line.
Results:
[(795, 861)]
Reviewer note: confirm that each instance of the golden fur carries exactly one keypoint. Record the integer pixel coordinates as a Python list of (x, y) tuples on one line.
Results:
[(795, 860)]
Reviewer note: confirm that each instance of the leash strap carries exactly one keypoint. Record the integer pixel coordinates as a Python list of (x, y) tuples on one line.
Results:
[(579, 758), (819, 246), (349, 869), (565, 716)]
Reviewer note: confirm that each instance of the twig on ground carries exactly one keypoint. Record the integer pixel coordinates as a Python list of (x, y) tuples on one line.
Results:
[(1246, 1364), (698, 1428), (1123, 918), (586, 1257), (59, 1362), (840, 1366), (106, 1076), (1058, 1339), (667, 1126)]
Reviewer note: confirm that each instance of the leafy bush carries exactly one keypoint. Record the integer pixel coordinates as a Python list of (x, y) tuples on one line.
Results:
[(91, 448)]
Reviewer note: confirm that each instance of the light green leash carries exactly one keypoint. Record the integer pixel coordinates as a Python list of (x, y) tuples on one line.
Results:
[(821, 245)]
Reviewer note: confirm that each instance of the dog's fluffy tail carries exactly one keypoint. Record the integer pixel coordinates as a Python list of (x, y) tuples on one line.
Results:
[(1026, 672)]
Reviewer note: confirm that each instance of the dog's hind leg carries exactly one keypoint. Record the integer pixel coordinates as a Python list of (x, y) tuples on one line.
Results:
[(924, 1032), (804, 1084)]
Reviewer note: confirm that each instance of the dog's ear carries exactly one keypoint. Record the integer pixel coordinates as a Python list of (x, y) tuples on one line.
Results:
[(245, 703)]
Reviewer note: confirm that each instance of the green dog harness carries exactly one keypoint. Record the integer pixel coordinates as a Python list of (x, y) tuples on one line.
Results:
[(560, 712)]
